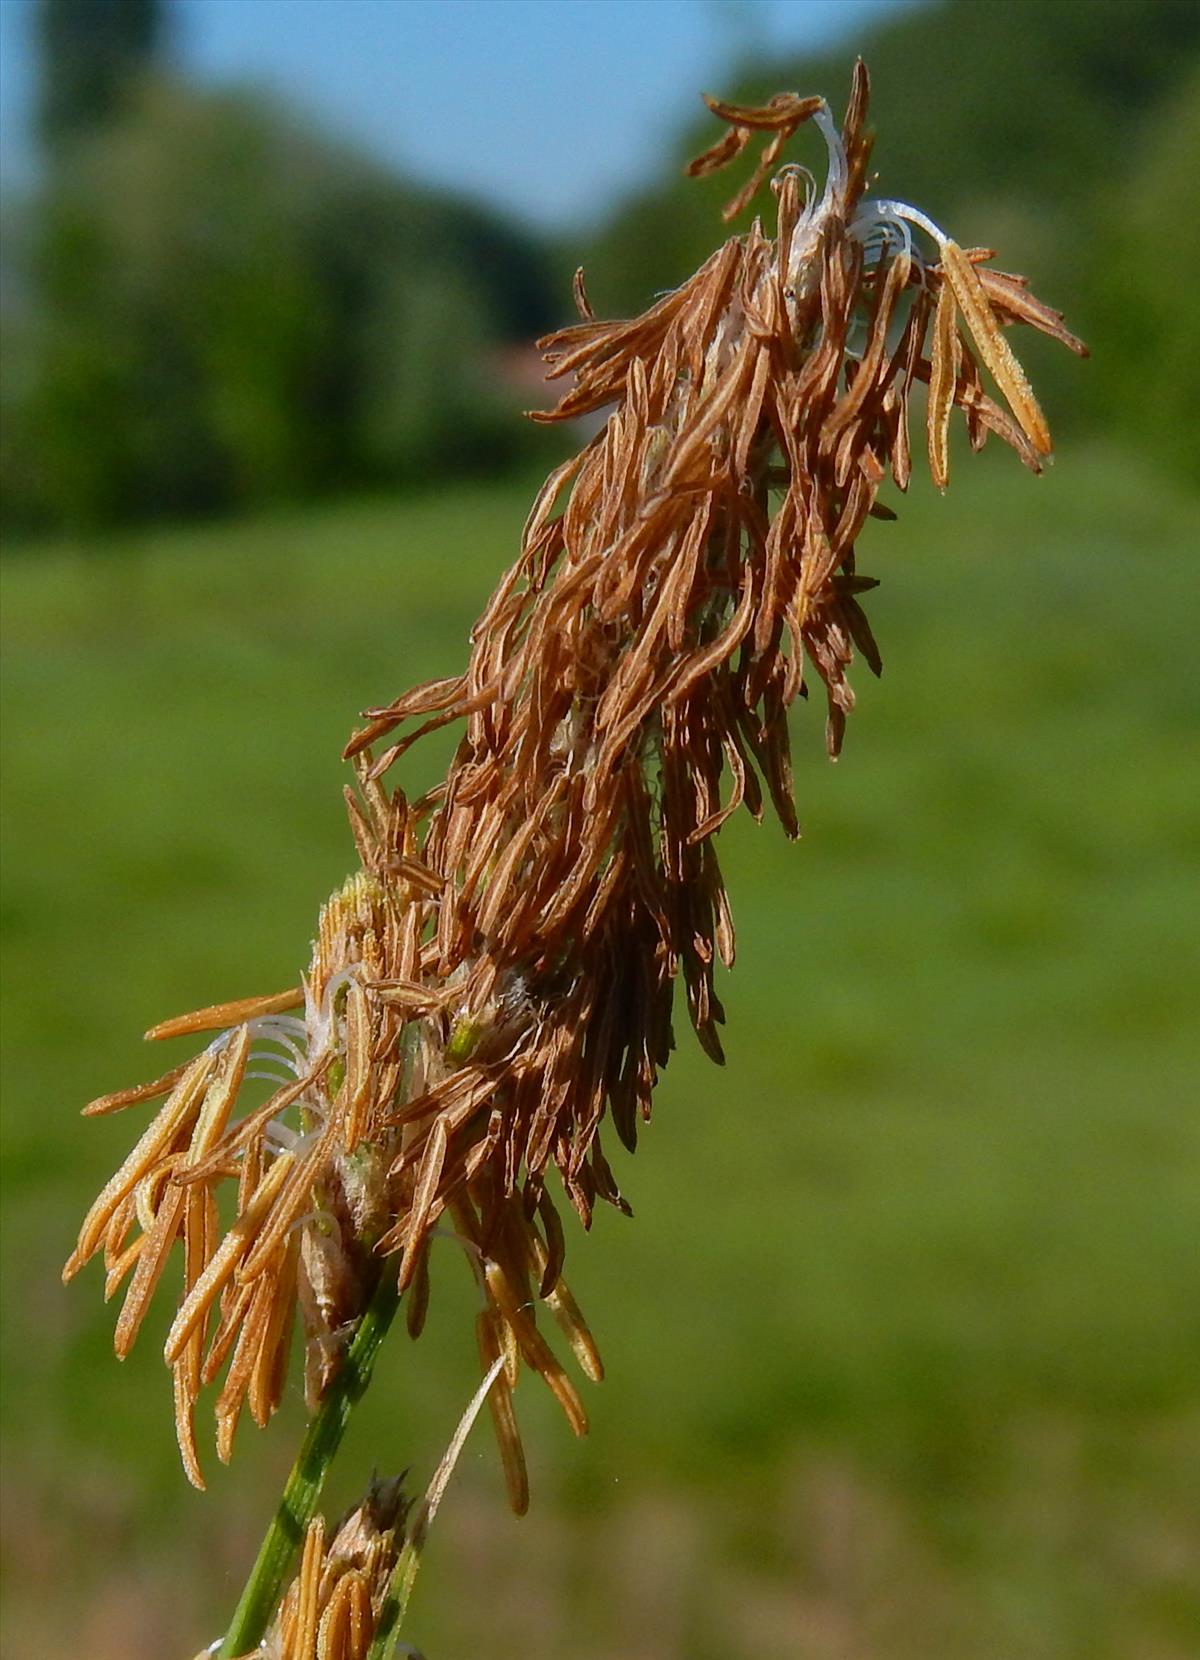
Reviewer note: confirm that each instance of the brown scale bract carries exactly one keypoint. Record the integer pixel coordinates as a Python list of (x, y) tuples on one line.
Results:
[(498, 980)]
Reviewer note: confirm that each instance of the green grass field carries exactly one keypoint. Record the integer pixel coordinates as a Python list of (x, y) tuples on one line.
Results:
[(904, 1339)]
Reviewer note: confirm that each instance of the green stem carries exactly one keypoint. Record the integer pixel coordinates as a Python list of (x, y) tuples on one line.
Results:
[(265, 1586)]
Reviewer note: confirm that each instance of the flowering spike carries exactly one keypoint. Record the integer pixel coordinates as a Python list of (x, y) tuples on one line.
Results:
[(496, 983)]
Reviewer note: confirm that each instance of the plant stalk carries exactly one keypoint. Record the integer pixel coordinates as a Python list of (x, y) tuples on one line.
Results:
[(264, 1588)]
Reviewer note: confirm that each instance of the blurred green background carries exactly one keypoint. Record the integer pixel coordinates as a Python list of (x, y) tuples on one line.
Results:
[(904, 1339)]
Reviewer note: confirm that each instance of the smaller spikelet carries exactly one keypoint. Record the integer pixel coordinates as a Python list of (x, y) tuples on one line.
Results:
[(352, 1590), (331, 1609)]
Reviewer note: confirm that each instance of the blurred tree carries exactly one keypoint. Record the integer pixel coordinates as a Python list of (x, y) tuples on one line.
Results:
[(227, 309), (1148, 377), (175, 315), (427, 344), (92, 52)]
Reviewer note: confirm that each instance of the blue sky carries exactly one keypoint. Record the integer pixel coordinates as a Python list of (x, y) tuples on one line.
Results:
[(549, 108)]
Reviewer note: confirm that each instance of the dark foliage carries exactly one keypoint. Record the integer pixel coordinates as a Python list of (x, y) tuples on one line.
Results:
[(91, 52), (220, 309)]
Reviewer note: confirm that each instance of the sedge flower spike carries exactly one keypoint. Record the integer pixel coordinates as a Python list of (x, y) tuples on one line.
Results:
[(494, 987)]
